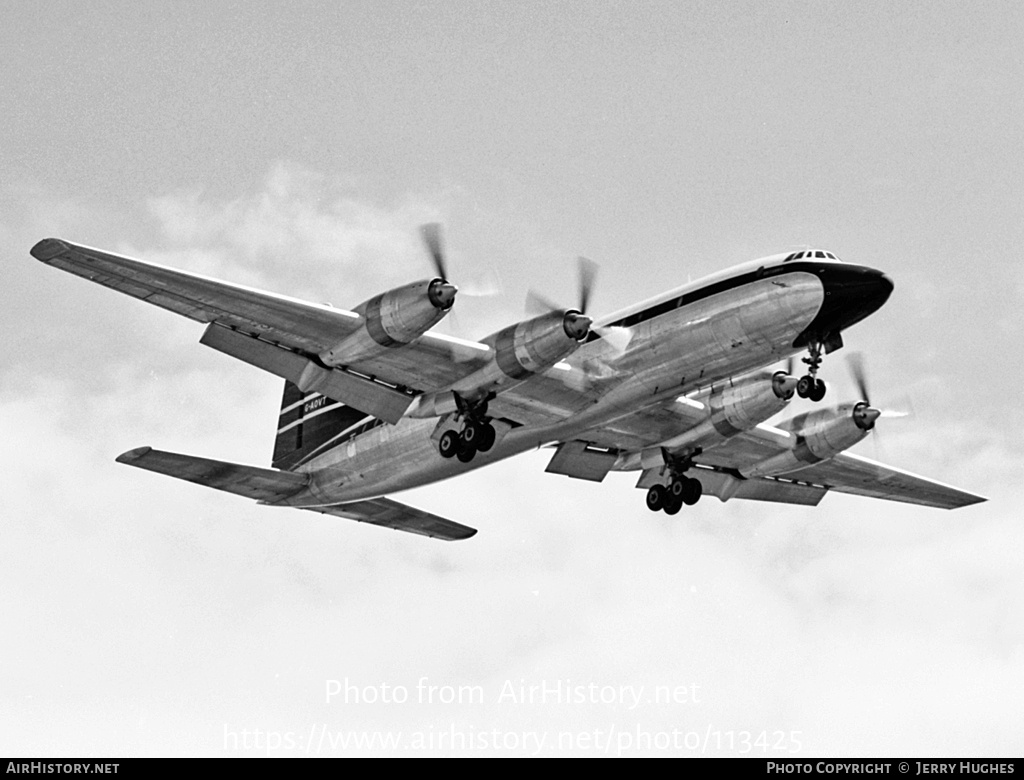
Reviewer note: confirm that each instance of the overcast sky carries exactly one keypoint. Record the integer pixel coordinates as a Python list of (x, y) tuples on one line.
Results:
[(297, 147)]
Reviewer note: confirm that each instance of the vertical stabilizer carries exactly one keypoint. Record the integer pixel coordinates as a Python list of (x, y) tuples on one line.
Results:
[(310, 424)]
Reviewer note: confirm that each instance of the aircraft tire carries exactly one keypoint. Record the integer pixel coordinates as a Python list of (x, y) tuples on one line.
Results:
[(449, 444), (693, 492), (818, 391), (656, 496), (677, 489), (486, 437)]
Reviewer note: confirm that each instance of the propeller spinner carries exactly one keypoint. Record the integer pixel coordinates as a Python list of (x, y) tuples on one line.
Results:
[(576, 323), (864, 414), (441, 292)]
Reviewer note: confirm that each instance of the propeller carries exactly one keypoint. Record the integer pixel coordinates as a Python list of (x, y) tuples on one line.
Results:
[(864, 414), (575, 322), (441, 292)]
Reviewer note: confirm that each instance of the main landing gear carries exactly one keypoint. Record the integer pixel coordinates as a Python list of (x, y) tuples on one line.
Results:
[(681, 490), (476, 435), (809, 386)]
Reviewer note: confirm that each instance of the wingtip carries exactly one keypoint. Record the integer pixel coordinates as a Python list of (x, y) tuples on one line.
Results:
[(133, 455), (47, 249)]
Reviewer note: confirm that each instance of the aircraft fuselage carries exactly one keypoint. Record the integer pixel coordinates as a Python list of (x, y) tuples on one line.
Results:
[(721, 326)]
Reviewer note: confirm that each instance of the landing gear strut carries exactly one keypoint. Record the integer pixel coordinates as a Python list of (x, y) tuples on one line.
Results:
[(809, 386), (476, 434), (680, 490)]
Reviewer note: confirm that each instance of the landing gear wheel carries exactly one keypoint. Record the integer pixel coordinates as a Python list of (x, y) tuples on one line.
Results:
[(656, 497), (466, 454), (805, 385), (818, 391), (672, 507), (677, 489), (486, 437), (470, 436), (693, 492), (449, 444)]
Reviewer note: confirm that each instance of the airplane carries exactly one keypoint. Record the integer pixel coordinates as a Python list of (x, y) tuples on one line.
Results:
[(676, 388)]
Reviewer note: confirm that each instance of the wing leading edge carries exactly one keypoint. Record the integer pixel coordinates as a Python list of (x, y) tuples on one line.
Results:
[(269, 487)]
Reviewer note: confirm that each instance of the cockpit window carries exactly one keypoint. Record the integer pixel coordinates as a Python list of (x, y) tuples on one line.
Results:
[(820, 254), (791, 256), (831, 256)]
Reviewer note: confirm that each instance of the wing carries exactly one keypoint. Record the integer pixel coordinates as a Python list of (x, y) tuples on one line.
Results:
[(431, 362), (844, 473), (270, 486)]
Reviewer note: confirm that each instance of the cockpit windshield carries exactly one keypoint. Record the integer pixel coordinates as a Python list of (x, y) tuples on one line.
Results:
[(810, 254)]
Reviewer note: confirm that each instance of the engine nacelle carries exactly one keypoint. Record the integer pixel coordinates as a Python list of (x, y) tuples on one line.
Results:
[(393, 319), (735, 407), (519, 352), (818, 436)]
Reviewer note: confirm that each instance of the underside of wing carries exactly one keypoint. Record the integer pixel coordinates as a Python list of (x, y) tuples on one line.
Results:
[(850, 473), (844, 473), (719, 466), (275, 318), (401, 517), (288, 324)]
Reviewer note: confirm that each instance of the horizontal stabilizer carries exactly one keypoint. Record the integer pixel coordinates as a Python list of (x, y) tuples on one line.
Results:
[(249, 481), (401, 517), (270, 487)]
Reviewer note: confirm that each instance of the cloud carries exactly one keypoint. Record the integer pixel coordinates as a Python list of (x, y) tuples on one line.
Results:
[(155, 617)]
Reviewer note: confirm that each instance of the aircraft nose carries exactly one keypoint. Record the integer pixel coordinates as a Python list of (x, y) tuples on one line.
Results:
[(850, 293), (857, 289)]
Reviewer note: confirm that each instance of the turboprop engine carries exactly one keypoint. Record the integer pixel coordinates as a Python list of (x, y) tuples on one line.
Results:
[(731, 408), (399, 316), (735, 407), (818, 436), (518, 351), (526, 348), (393, 319)]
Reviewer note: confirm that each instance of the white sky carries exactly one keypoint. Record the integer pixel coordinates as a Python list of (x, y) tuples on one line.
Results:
[(297, 147)]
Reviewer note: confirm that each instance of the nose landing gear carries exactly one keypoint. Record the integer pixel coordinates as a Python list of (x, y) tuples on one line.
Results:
[(809, 386)]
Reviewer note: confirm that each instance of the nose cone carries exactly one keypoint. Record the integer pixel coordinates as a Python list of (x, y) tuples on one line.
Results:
[(851, 293), (864, 416), (442, 294), (576, 325), (783, 385)]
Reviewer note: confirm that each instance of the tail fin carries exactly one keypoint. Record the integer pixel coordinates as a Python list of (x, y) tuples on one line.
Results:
[(310, 424)]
